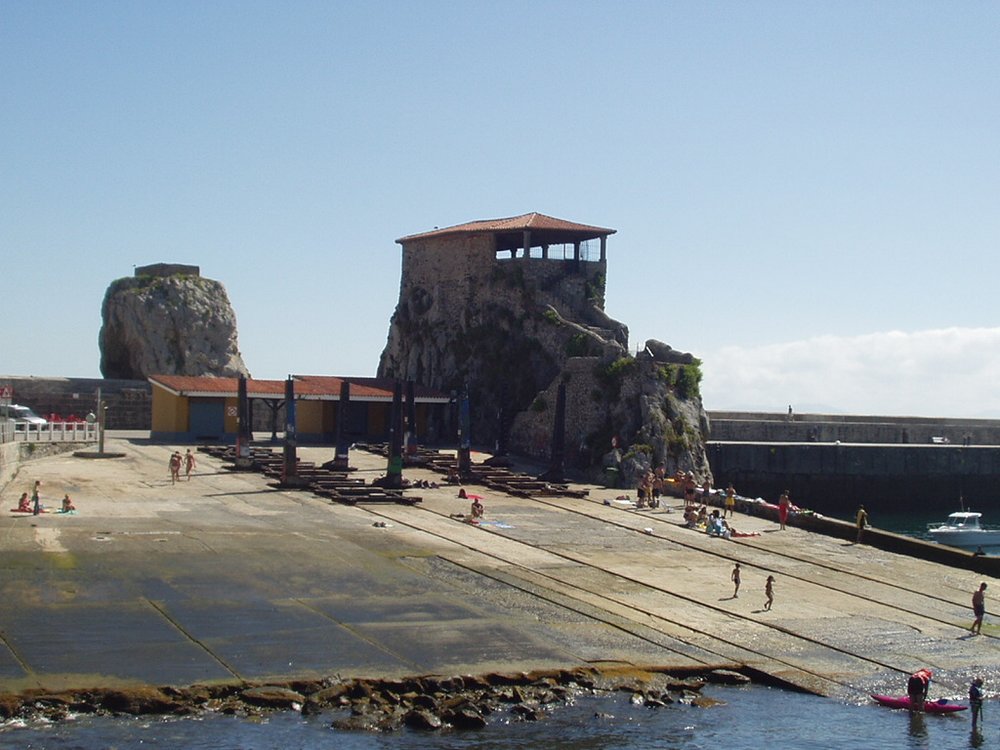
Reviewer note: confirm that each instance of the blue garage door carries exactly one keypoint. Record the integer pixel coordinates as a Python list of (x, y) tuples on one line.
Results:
[(208, 418)]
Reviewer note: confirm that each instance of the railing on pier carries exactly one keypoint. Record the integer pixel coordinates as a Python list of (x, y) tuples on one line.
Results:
[(51, 432)]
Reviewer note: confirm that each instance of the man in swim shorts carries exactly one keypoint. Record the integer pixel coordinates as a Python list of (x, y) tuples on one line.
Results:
[(979, 608)]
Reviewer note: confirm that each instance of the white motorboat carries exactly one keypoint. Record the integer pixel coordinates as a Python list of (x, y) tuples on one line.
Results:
[(962, 529)]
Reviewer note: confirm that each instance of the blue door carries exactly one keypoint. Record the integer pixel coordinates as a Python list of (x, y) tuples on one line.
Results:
[(207, 419)]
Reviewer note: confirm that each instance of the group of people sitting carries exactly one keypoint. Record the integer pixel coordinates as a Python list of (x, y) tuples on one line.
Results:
[(26, 504), (713, 523)]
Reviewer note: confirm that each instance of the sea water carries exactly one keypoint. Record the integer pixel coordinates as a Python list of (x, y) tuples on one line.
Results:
[(749, 717)]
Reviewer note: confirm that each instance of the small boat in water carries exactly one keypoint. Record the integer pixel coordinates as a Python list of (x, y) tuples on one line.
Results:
[(940, 706), (962, 529)]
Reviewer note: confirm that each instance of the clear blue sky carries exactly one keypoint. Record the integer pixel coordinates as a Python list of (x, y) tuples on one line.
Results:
[(805, 193)]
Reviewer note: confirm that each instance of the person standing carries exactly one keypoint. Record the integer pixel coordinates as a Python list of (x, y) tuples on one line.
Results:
[(35, 501), (769, 592), (784, 503), (861, 519), (976, 700), (979, 608), (730, 504), (736, 581)]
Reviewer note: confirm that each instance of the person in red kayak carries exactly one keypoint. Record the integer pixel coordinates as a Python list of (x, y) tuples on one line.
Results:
[(916, 688)]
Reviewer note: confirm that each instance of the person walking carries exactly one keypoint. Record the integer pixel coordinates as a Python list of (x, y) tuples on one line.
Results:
[(189, 463), (736, 581), (979, 608), (175, 467), (976, 700), (769, 592), (862, 522)]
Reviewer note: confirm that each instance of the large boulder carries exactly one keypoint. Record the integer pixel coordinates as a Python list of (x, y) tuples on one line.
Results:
[(171, 324)]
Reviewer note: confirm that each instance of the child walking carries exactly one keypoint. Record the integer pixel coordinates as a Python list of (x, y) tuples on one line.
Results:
[(769, 592)]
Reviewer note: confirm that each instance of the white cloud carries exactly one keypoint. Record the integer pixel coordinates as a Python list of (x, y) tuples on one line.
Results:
[(949, 372)]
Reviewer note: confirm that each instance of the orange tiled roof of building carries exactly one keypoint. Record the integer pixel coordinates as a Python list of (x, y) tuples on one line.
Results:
[(322, 387), (558, 230)]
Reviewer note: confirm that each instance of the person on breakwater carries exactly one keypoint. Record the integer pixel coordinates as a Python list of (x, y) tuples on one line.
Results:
[(978, 609), (769, 592), (976, 700), (861, 519), (784, 503), (736, 581)]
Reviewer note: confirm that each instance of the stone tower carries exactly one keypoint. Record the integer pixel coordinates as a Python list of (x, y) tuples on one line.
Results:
[(509, 308)]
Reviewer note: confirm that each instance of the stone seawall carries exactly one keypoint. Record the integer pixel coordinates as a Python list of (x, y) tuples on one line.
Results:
[(834, 478), (763, 427)]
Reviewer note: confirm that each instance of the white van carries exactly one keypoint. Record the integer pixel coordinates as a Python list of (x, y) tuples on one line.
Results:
[(23, 416)]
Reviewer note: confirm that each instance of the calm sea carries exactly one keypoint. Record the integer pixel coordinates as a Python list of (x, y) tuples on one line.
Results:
[(749, 718)]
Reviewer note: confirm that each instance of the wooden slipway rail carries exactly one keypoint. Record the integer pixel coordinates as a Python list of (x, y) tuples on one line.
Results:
[(848, 619)]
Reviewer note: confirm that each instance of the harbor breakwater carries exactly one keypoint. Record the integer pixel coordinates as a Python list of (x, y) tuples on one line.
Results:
[(832, 464)]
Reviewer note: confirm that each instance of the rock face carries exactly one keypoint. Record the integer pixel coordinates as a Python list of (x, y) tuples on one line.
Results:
[(168, 320), (476, 311)]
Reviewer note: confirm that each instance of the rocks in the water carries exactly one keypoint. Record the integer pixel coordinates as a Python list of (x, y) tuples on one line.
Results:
[(168, 321), (271, 696), (371, 705)]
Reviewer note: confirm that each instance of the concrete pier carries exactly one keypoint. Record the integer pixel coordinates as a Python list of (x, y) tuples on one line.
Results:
[(225, 578)]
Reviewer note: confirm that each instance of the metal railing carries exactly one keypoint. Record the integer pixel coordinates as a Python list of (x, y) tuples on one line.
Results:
[(50, 432)]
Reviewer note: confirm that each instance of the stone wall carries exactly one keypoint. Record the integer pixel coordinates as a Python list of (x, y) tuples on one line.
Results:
[(829, 428)]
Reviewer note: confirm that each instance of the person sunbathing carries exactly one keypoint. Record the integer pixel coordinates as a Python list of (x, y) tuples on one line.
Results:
[(67, 504), (24, 504)]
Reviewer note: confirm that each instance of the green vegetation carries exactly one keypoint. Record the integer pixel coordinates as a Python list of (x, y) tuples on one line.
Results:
[(551, 316), (638, 448), (685, 379), (579, 345), (539, 404)]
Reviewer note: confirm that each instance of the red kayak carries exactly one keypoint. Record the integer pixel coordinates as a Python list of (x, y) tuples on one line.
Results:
[(940, 706)]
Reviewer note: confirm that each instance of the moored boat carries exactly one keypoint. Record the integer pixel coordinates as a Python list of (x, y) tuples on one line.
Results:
[(962, 529)]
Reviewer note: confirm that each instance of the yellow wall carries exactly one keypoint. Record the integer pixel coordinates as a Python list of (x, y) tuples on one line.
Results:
[(231, 421), (170, 412), (309, 417)]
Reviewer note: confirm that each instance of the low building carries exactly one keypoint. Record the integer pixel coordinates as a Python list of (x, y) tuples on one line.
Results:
[(200, 409)]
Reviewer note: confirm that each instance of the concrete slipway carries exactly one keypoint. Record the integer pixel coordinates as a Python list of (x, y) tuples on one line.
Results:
[(225, 578)]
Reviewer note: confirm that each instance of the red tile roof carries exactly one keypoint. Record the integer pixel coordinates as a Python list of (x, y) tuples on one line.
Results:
[(309, 387), (555, 231)]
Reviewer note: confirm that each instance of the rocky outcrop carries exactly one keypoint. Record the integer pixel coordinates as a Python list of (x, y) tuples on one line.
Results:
[(427, 703), (511, 331), (171, 324)]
